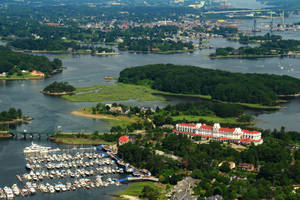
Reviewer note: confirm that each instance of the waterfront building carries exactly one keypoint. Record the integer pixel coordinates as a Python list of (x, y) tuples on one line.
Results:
[(37, 73), (123, 140), (216, 132)]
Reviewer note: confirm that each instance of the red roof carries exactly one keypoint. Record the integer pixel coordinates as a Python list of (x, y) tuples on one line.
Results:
[(124, 139), (250, 132), (245, 140), (227, 129), (191, 125), (204, 126)]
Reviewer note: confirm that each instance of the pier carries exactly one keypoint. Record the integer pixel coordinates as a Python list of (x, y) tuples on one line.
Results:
[(53, 170)]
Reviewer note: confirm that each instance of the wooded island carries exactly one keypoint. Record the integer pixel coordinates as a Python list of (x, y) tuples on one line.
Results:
[(220, 85)]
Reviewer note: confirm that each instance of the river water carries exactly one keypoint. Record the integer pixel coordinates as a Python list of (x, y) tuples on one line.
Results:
[(249, 4), (85, 70)]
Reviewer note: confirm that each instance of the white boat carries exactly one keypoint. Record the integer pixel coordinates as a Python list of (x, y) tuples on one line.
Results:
[(9, 193), (35, 148), (16, 190)]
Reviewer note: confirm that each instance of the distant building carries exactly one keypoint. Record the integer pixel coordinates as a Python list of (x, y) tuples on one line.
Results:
[(37, 73), (234, 135), (124, 140), (52, 24), (246, 166), (145, 109)]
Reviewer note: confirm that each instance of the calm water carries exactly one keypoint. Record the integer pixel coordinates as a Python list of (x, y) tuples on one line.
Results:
[(250, 4), (50, 112)]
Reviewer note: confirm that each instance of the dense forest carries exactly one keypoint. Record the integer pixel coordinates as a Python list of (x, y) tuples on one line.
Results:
[(220, 85), (53, 45), (59, 87), (13, 62), (156, 45), (10, 115), (274, 47)]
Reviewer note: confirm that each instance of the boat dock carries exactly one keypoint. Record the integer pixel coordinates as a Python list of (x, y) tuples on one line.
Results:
[(50, 170)]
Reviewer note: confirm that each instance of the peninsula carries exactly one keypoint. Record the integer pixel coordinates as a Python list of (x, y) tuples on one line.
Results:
[(21, 66), (259, 90), (13, 116), (152, 82)]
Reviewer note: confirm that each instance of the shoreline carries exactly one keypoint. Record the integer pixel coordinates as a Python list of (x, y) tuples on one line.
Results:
[(68, 52), (254, 56), (5, 135), (246, 56), (81, 113), (16, 121), (15, 79), (159, 52), (56, 71), (57, 93)]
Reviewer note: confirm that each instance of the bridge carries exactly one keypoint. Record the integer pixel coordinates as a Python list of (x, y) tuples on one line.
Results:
[(29, 135)]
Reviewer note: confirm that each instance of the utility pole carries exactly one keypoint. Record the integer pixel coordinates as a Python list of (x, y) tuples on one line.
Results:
[(282, 19), (271, 22)]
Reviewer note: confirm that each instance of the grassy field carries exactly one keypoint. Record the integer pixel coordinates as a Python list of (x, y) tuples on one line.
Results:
[(123, 92), (118, 92), (120, 120), (78, 141), (213, 119), (78, 138), (135, 189)]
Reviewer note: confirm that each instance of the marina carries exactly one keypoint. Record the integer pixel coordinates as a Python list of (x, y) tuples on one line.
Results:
[(56, 170)]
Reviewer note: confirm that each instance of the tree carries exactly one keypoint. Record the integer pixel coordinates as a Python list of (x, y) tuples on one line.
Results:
[(149, 193), (225, 167)]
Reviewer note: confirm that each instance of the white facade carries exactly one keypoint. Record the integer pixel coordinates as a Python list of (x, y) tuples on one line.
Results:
[(216, 132)]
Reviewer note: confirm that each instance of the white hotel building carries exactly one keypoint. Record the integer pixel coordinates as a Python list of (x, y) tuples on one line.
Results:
[(236, 135)]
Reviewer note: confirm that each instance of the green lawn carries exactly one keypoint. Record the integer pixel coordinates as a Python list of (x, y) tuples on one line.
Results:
[(121, 92), (78, 141), (213, 119), (79, 138), (124, 92), (118, 92), (135, 189)]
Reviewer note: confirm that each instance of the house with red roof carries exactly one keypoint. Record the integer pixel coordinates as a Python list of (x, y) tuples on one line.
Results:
[(123, 140), (37, 73), (216, 132)]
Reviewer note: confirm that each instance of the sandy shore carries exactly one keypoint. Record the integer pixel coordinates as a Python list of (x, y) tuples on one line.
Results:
[(129, 197), (82, 113)]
